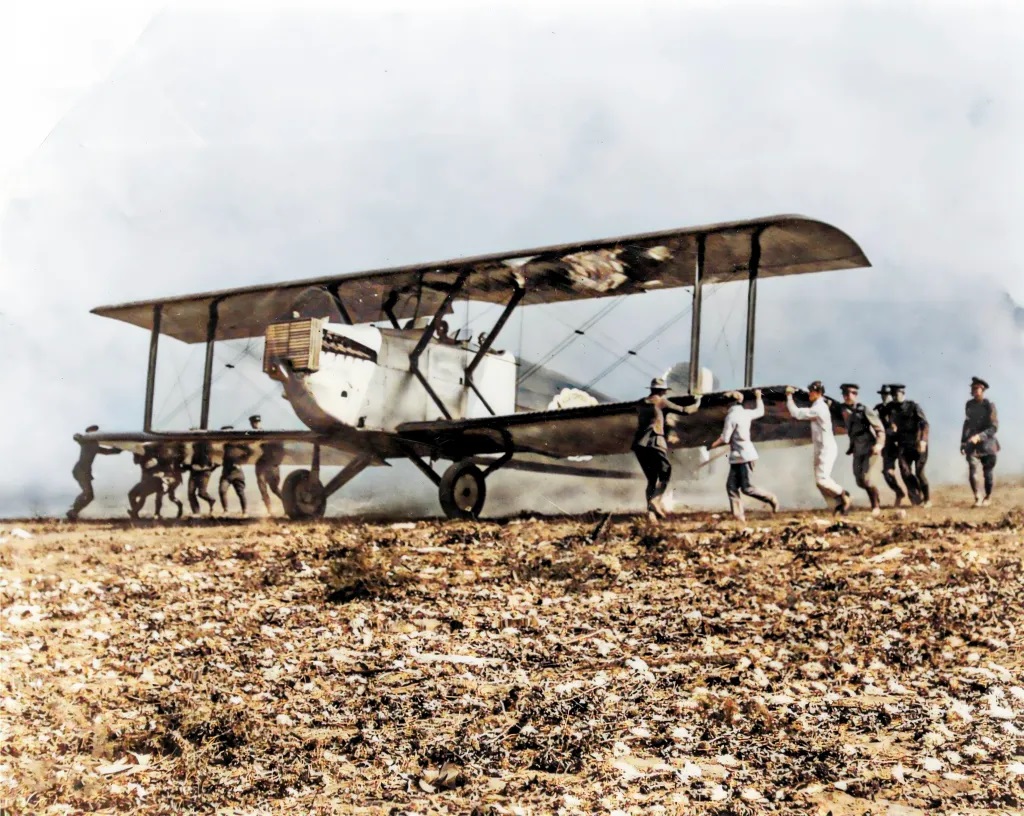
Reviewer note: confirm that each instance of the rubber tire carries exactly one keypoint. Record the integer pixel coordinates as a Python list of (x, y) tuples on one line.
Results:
[(303, 496), (463, 491)]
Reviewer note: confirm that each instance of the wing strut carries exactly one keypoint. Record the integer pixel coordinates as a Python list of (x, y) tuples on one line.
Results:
[(755, 262), (389, 306), (336, 294), (517, 296), (211, 337), (154, 343), (428, 332), (698, 302)]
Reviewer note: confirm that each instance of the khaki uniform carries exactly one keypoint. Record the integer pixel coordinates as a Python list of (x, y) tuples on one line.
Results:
[(268, 471), (981, 420), (200, 470), (231, 476), (651, 449)]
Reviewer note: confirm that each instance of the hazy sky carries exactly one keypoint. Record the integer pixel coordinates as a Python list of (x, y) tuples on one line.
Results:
[(155, 149)]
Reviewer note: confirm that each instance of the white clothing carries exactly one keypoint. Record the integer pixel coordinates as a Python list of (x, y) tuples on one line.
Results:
[(824, 461), (825, 450), (736, 432), (820, 418)]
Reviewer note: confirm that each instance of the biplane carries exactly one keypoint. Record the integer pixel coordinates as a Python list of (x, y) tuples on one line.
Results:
[(367, 366)]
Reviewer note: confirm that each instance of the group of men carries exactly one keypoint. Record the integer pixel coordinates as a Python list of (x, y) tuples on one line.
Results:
[(163, 468), (893, 433)]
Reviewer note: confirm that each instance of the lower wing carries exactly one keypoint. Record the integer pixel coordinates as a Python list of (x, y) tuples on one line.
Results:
[(293, 447), (603, 430)]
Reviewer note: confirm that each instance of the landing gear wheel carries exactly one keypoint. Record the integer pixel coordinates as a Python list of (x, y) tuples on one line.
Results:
[(303, 496), (462, 491)]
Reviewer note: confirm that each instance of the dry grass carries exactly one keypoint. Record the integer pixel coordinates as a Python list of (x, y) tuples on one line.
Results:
[(798, 664)]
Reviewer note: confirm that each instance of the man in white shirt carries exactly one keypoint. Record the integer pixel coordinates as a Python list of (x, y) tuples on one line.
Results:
[(742, 453), (825, 450)]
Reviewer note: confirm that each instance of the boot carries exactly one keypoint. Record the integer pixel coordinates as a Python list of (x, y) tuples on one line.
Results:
[(876, 502), (654, 511), (843, 505)]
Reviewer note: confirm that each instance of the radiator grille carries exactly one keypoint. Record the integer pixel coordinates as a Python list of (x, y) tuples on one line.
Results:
[(297, 341)]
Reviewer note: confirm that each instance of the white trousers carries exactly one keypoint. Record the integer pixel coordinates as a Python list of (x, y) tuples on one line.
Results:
[(825, 456)]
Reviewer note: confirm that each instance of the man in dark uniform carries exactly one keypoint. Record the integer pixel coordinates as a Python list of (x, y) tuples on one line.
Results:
[(82, 471), (867, 439), (231, 476), (891, 451), (200, 469), (268, 466), (978, 441), (911, 427), (170, 459), (150, 482), (650, 446)]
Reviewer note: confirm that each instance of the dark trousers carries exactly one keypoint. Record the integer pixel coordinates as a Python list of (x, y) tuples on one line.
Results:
[(199, 488), (657, 468), (82, 500), (981, 465), (232, 478), (170, 481), (912, 465), (268, 480), (738, 484), (863, 463), (890, 463), (149, 485)]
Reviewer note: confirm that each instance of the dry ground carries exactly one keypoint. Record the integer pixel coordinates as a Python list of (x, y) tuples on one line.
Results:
[(797, 664)]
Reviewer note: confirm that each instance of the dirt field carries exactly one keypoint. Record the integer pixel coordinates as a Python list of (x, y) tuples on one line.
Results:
[(797, 664)]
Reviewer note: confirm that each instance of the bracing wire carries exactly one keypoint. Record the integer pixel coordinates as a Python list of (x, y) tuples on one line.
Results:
[(184, 404), (252, 408), (650, 338), (723, 338), (179, 369), (603, 344), (571, 338)]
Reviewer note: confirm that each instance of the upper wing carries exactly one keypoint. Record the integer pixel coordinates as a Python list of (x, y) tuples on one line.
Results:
[(789, 245), (600, 430), (297, 446)]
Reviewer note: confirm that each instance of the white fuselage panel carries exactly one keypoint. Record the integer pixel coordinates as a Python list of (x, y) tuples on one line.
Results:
[(396, 395), (360, 393)]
